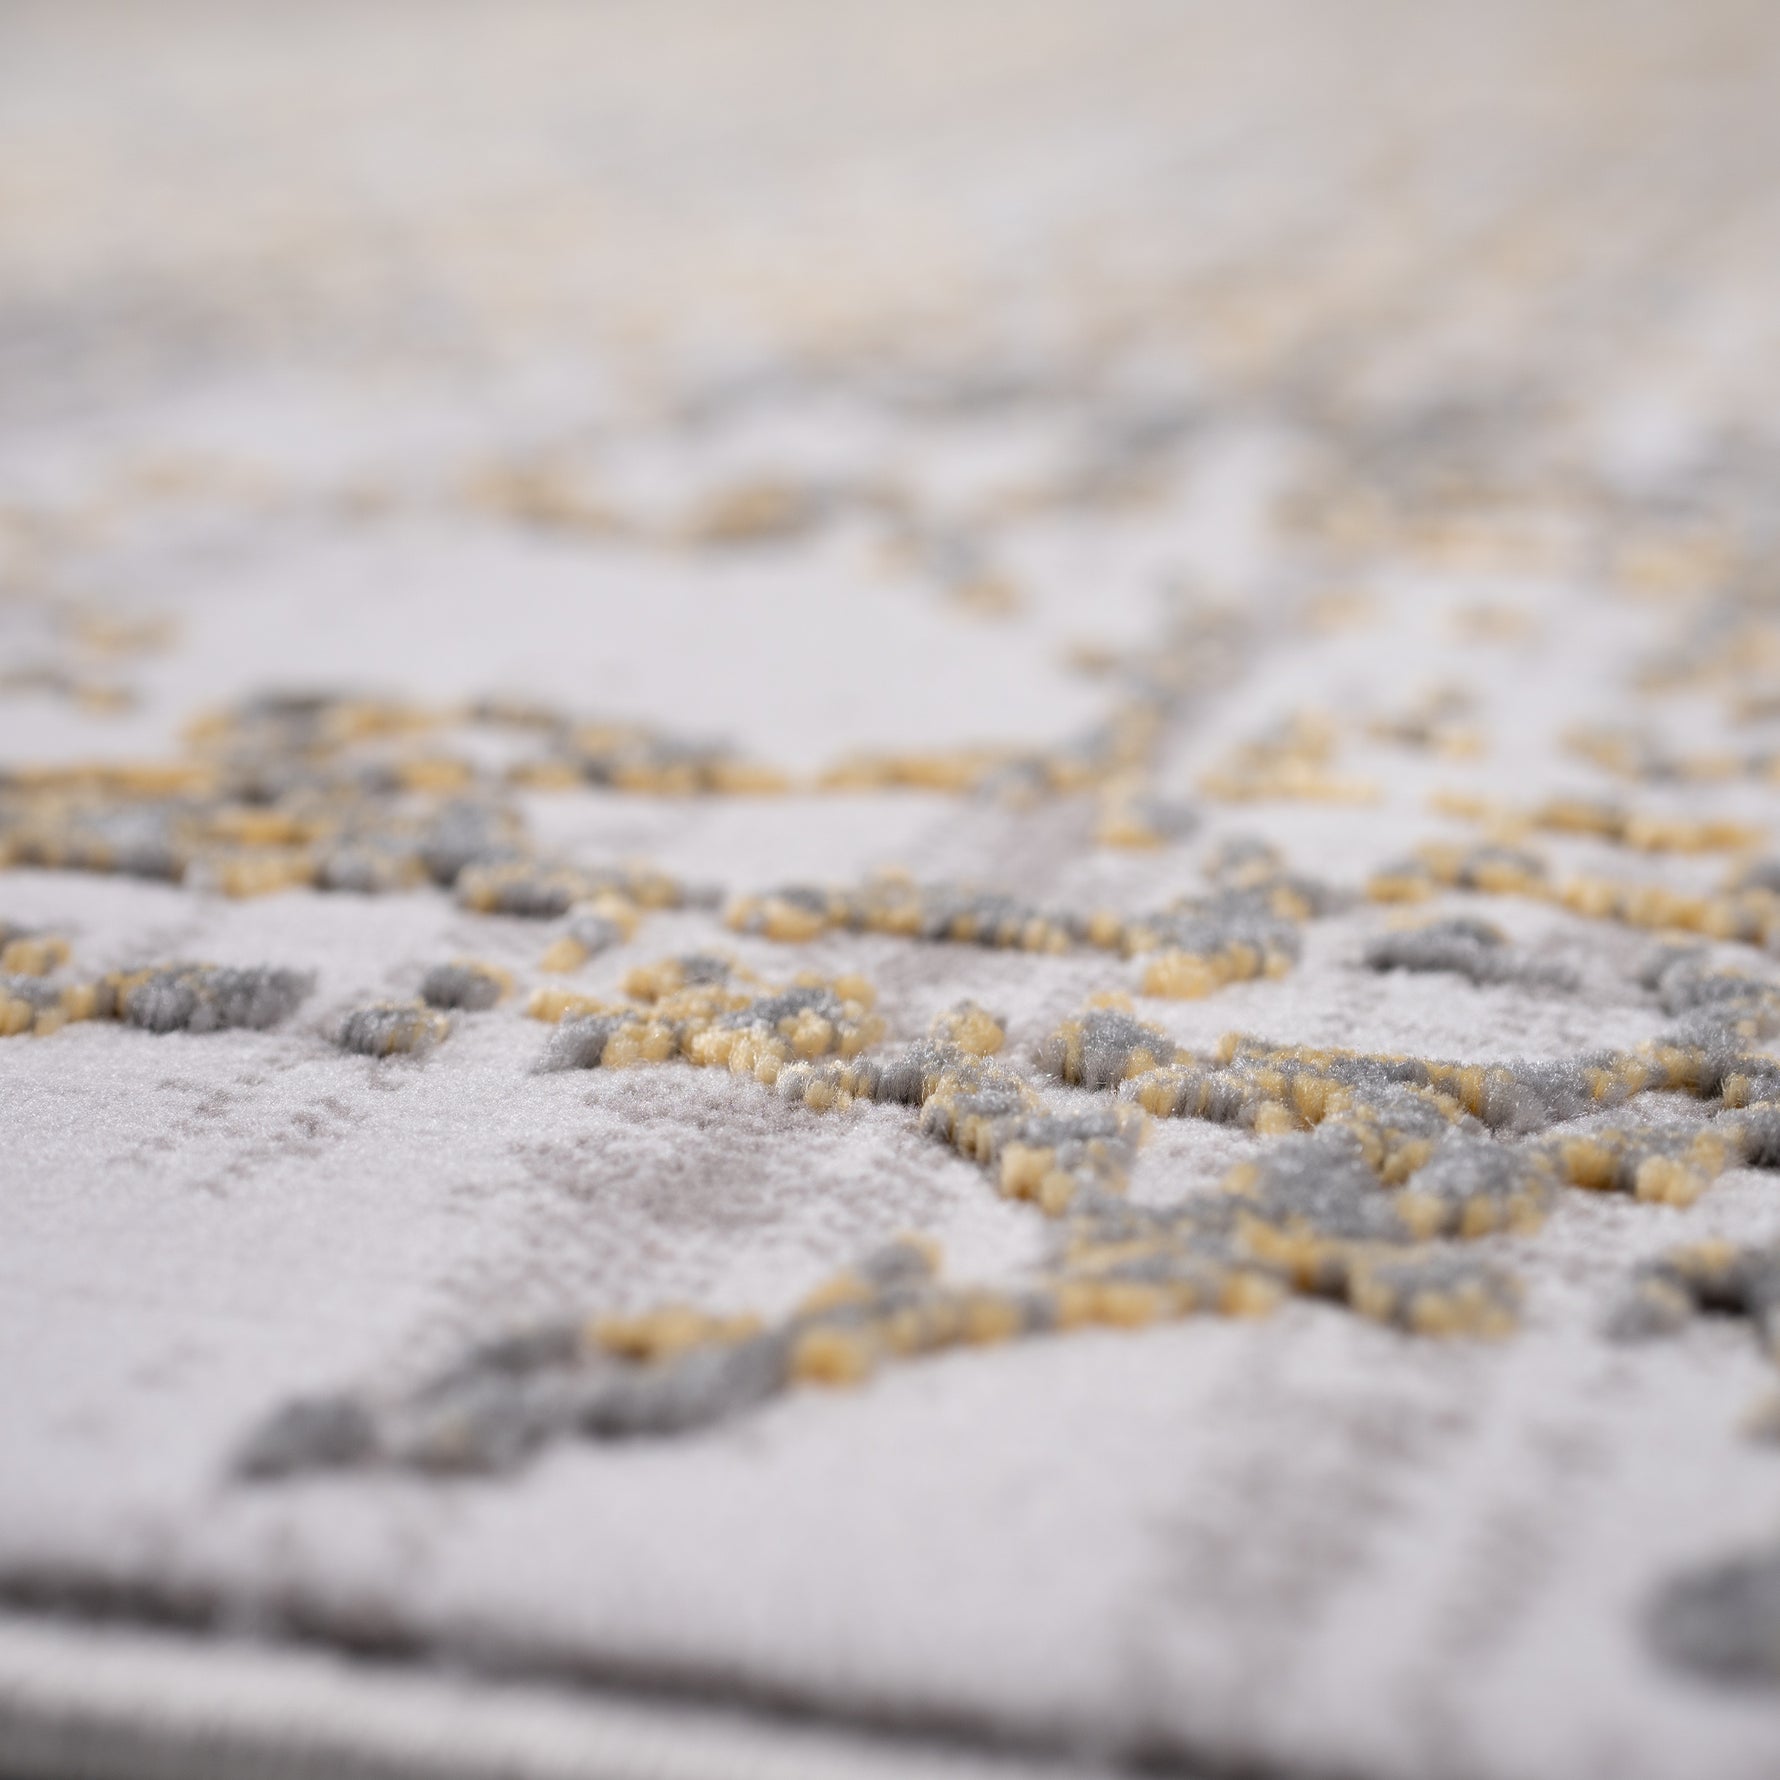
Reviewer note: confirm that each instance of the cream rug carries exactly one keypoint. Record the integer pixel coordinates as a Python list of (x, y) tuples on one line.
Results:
[(890, 891)]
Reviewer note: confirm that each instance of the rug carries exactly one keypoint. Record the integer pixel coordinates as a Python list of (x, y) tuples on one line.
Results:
[(890, 891)]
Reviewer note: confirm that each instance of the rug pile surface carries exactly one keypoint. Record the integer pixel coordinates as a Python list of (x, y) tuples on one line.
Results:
[(890, 893)]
